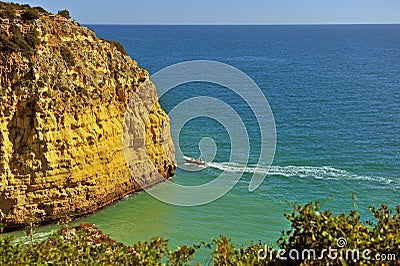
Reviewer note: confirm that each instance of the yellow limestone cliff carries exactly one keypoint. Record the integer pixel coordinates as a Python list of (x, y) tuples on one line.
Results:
[(62, 102)]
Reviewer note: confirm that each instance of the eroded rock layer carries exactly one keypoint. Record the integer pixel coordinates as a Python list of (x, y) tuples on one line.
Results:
[(62, 107)]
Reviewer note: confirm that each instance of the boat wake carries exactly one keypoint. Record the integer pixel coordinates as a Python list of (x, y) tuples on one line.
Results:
[(317, 172)]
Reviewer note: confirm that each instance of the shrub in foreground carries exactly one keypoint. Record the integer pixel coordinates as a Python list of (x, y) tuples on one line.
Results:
[(351, 241), (312, 230)]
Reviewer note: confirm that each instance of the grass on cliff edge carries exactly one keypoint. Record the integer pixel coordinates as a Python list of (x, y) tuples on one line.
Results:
[(17, 41), (27, 43), (311, 229)]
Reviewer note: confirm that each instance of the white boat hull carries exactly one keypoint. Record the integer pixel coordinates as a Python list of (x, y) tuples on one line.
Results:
[(194, 161)]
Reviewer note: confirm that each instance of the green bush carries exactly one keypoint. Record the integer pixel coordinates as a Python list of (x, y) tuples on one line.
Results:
[(33, 39), (40, 9), (181, 256), (67, 55), (6, 44), (30, 14), (8, 12), (311, 228), (11, 5), (20, 43), (84, 245), (118, 45), (64, 13), (314, 229)]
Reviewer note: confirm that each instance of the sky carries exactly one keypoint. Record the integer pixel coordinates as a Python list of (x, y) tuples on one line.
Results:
[(226, 11)]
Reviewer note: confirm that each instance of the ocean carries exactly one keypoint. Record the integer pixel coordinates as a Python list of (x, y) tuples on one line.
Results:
[(334, 91)]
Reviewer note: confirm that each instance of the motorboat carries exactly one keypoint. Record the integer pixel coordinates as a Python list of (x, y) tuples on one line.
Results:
[(194, 161)]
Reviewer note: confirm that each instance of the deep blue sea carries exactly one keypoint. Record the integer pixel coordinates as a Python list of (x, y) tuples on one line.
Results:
[(334, 91)]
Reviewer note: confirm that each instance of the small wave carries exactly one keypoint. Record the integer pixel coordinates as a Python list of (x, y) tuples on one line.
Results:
[(39, 236), (317, 172), (257, 59)]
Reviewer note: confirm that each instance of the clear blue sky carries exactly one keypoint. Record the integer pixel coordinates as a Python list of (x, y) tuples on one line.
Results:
[(226, 11)]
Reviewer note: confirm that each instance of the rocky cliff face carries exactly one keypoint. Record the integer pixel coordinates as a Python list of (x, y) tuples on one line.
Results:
[(63, 96)]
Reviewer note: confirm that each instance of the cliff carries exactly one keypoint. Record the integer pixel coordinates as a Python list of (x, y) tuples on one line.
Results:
[(63, 96)]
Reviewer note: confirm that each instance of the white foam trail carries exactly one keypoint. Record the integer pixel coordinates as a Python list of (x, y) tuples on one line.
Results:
[(317, 172)]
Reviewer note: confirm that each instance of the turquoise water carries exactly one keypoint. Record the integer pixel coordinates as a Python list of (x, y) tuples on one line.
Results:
[(335, 95)]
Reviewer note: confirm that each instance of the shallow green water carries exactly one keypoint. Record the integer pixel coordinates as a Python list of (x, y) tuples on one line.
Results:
[(335, 95)]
